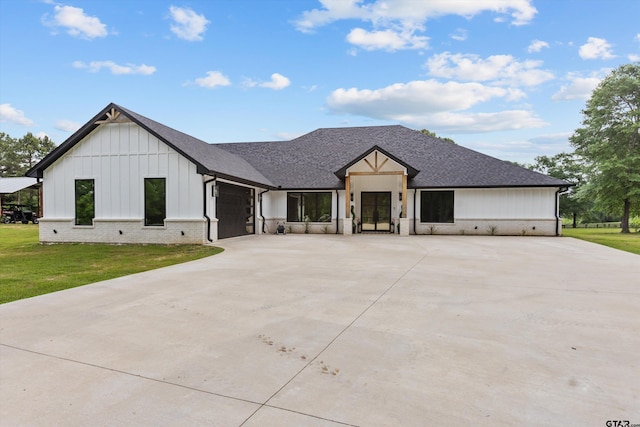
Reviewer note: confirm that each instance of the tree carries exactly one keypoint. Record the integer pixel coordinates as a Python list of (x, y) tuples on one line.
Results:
[(8, 158), (18, 155), (609, 140), (571, 168), (433, 134)]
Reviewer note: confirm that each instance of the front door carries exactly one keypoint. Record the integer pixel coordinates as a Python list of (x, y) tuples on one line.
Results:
[(376, 211)]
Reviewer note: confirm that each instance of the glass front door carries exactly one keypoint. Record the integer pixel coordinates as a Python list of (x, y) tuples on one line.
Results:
[(376, 211)]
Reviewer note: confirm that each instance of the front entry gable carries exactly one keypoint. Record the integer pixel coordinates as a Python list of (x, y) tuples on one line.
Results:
[(376, 161)]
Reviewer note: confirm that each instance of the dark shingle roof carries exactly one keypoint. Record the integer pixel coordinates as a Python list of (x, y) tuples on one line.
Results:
[(208, 158), (312, 160), (319, 159)]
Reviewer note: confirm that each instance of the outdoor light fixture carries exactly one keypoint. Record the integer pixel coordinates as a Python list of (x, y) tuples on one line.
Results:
[(55, 231), (120, 232), (182, 233), (400, 196)]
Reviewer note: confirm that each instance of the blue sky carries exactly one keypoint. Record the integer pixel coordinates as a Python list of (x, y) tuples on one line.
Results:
[(504, 77)]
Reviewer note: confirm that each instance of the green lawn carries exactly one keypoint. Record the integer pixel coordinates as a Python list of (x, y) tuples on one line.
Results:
[(607, 236), (28, 268)]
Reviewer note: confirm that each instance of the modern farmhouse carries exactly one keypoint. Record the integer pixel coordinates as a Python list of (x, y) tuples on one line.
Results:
[(124, 178)]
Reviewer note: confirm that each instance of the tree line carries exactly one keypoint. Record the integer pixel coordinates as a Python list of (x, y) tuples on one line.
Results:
[(605, 166)]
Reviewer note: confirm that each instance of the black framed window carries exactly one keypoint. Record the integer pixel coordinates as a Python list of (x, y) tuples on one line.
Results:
[(436, 206), (155, 201), (85, 201), (314, 207)]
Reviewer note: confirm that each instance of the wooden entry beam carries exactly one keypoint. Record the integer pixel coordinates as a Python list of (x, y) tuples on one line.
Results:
[(347, 198)]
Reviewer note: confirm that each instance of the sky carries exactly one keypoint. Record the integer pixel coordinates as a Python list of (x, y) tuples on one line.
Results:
[(508, 78)]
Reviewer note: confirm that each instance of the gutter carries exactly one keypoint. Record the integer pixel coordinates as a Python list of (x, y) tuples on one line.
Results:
[(415, 231), (337, 210), (557, 210), (260, 200), (204, 206)]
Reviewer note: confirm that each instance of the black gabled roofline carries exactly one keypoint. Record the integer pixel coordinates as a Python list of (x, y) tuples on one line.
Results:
[(67, 144), (342, 172), (37, 170)]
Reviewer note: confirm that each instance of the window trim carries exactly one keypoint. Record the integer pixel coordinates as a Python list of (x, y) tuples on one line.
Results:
[(424, 220), (146, 216), (93, 202), (317, 215)]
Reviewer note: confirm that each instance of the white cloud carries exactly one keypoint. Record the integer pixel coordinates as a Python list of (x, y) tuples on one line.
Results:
[(410, 12), (386, 39), (479, 122), (77, 23), (498, 69), (95, 66), (67, 125), (579, 87), (213, 79), (596, 48), (460, 35), (633, 57), (425, 96), (188, 25), (12, 115), (41, 135), (536, 46), (432, 104), (278, 82)]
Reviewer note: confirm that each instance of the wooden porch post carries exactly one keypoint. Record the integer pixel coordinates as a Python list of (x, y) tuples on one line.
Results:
[(347, 198), (404, 196)]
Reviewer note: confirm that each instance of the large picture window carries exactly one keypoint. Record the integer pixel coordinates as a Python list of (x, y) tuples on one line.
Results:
[(155, 201), (436, 206), (85, 201), (314, 207)]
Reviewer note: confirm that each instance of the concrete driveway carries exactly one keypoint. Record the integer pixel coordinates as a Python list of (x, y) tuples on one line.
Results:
[(324, 330)]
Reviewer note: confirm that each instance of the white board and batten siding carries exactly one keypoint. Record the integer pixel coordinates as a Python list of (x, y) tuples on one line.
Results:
[(118, 157), (513, 211)]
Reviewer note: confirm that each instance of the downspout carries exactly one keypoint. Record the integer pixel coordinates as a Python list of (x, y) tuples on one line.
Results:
[(204, 206), (415, 231), (337, 210), (557, 212), (260, 200)]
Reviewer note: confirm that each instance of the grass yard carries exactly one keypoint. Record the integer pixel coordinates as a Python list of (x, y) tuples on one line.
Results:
[(28, 268), (607, 236)]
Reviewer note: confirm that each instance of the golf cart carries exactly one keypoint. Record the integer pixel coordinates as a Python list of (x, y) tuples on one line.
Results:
[(14, 213)]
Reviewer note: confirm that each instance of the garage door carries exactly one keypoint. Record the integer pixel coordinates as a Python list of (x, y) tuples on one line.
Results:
[(235, 210)]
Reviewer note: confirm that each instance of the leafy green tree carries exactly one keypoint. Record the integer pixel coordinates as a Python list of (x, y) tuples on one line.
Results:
[(8, 157), (609, 140), (18, 155), (571, 168), (433, 134)]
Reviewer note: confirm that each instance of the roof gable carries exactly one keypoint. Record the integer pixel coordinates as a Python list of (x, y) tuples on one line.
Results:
[(375, 167), (209, 159), (320, 159)]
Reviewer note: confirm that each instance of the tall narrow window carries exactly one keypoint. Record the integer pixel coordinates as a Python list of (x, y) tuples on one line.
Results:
[(85, 201), (314, 207), (155, 201), (436, 206)]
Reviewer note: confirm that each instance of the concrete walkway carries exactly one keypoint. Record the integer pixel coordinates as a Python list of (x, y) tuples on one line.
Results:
[(324, 330)]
